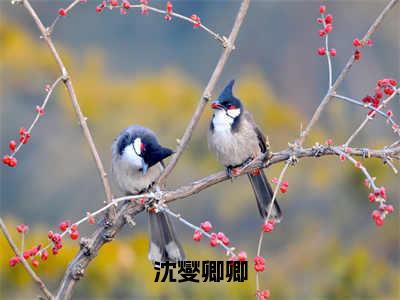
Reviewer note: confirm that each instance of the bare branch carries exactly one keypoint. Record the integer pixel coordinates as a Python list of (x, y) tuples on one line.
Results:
[(207, 91), (68, 83), (28, 268)]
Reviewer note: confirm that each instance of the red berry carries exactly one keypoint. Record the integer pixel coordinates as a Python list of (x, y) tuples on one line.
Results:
[(389, 113), (50, 234), (114, 2), (74, 227), (14, 260), (126, 5), (13, 162), (213, 242), (27, 254), (356, 43), (54, 250), (40, 110), (168, 18), (321, 32), (266, 294), (283, 189), (371, 197), (268, 227), (58, 246), (357, 54), (369, 42), (328, 19), (91, 219), (382, 192), (319, 20), (6, 159), (225, 241), (62, 12), (376, 214), (220, 235), (12, 145), (44, 255), (342, 157), (392, 82), (169, 7), (321, 51), (22, 228), (259, 268), (63, 226), (379, 221), (329, 142), (328, 28), (322, 9), (74, 235), (389, 208), (242, 256), (206, 226), (99, 9), (388, 90), (197, 235), (332, 52)]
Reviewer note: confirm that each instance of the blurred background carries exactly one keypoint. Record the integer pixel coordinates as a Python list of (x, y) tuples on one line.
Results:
[(136, 69)]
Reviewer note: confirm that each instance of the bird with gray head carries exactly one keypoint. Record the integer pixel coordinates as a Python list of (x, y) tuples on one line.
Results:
[(136, 164), (235, 139)]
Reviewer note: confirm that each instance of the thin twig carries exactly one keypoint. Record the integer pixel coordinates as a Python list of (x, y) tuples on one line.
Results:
[(207, 91), (38, 115), (28, 268), (369, 117), (282, 174)]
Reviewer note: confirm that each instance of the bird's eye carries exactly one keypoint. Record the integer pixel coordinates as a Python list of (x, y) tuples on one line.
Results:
[(231, 106), (141, 147)]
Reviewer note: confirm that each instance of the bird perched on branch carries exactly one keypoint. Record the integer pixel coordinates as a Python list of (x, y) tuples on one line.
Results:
[(236, 140), (136, 164)]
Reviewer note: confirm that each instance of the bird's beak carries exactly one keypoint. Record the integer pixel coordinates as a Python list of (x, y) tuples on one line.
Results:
[(216, 105), (144, 167)]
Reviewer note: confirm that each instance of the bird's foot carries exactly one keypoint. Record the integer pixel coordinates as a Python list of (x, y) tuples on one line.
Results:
[(232, 172)]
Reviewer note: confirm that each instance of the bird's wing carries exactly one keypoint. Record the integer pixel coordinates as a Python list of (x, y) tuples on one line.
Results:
[(260, 135)]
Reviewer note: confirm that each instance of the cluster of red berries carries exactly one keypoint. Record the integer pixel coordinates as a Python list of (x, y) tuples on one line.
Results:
[(379, 195), (73, 229), (269, 225), (326, 22), (215, 237), (262, 295), (259, 263), (30, 253), (383, 86), (196, 19), (242, 256), (359, 44), (56, 238), (284, 185)]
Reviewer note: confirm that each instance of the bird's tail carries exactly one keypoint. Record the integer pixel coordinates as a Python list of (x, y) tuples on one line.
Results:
[(264, 193), (164, 245)]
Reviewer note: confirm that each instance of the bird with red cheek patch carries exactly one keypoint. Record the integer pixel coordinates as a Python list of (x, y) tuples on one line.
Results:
[(235, 139)]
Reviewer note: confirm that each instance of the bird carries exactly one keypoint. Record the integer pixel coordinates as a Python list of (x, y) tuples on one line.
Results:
[(137, 162), (235, 139)]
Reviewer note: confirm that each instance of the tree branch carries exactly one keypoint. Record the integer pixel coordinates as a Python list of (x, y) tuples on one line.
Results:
[(28, 268), (207, 91), (68, 84)]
